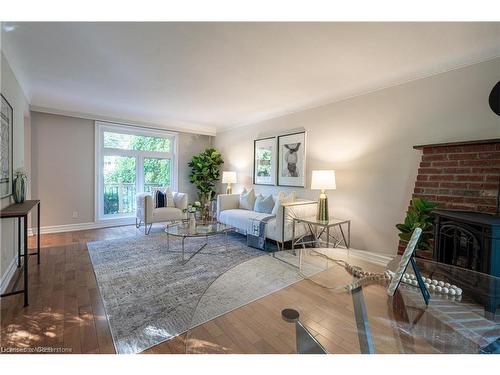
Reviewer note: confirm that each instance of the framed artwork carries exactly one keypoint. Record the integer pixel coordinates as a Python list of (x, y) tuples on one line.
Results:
[(6, 130), (292, 159), (264, 161), (406, 259)]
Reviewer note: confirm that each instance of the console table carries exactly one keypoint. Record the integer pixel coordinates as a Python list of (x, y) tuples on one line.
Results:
[(21, 212)]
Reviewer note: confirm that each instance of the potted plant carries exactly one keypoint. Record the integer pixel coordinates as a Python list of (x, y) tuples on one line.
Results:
[(419, 216), (205, 172)]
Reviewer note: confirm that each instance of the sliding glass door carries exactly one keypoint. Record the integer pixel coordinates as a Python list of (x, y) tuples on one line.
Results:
[(130, 160), (120, 180)]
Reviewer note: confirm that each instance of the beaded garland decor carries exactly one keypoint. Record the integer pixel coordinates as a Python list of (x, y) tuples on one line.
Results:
[(367, 278), (432, 285)]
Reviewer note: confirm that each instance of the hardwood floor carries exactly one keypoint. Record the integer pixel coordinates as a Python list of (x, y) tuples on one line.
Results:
[(66, 311)]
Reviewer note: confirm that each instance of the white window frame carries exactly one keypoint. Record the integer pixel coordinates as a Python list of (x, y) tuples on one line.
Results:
[(101, 151)]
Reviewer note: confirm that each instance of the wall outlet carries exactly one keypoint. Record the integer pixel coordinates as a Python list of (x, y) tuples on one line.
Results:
[(75, 214)]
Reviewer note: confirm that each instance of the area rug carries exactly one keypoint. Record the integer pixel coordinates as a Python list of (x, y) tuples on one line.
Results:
[(150, 296)]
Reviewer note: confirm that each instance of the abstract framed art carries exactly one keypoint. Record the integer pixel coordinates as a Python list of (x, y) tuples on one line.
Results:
[(264, 161), (6, 148), (292, 159)]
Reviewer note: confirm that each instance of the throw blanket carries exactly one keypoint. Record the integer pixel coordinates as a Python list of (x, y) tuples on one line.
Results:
[(256, 232)]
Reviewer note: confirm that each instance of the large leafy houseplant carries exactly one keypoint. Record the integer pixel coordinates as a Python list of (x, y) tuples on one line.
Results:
[(205, 172), (418, 216)]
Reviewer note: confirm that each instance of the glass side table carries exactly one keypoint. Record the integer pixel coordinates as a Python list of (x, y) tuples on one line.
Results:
[(316, 228)]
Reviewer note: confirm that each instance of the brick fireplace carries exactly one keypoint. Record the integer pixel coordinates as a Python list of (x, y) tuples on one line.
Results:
[(461, 176)]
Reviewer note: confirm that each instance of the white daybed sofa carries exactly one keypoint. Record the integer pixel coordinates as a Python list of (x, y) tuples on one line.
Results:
[(278, 228)]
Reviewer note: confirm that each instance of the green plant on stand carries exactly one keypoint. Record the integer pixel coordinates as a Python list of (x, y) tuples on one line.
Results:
[(419, 216), (205, 172)]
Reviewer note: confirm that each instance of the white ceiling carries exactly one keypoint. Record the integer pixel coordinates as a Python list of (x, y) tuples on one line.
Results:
[(213, 76)]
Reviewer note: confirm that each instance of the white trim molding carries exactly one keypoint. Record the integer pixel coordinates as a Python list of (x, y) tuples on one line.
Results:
[(101, 151), (380, 259), (176, 126), (83, 226)]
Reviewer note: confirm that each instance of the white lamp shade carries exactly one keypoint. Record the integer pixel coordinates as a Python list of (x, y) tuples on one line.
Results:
[(323, 180), (228, 177)]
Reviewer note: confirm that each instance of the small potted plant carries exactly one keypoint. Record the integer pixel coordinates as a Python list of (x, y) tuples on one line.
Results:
[(418, 216), (191, 212)]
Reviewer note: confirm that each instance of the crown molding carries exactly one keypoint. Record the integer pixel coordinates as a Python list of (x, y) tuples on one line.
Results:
[(172, 126)]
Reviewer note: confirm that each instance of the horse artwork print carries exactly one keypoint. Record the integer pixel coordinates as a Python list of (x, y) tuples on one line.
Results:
[(291, 158)]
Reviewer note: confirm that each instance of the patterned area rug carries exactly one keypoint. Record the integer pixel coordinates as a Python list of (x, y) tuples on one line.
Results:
[(150, 296)]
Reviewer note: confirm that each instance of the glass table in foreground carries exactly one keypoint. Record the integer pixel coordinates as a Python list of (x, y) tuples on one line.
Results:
[(186, 230), (250, 308)]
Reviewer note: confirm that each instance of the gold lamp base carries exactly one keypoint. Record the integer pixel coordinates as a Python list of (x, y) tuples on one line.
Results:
[(322, 207), (229, 189)]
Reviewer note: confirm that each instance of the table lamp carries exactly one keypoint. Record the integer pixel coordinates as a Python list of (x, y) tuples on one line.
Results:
[(323, 180), (229, 178)]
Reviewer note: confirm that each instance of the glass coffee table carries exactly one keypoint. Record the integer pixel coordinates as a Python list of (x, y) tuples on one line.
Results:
[(185, 230)]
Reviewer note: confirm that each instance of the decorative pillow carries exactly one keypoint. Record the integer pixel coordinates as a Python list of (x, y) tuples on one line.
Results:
[(170, 198), (247, 199), (163, 198), (264, 204), (160, 198), (282, 198)]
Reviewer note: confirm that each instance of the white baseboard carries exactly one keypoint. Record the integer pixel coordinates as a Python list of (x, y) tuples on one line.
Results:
[(83, 226), (4, 282), (369, 256), (372, 257)]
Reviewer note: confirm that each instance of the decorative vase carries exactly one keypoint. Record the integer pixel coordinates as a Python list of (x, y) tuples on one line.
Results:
[(19, 190), (192, 221)]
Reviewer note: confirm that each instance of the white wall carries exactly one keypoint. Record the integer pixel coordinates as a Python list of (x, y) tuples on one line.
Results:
[(12, 92), (189, 145), (63, 166), (62, 160), (368, 140)]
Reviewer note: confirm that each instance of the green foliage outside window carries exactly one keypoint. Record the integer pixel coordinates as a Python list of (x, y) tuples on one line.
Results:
[(120, 171), (156, 171), (136, 142)]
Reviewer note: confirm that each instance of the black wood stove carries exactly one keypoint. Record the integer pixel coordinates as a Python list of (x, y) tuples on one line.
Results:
[(471, 240)]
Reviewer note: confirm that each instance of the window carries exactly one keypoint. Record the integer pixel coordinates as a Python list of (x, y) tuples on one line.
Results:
[(131, 160)]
